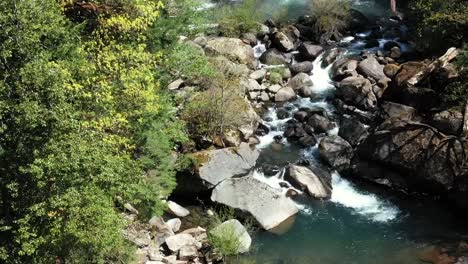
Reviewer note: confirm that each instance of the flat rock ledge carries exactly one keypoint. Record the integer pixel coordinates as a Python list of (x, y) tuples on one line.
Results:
[(214, 166), (268, 206)]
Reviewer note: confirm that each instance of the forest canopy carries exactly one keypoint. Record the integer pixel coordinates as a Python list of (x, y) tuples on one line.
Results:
[(83, 119)]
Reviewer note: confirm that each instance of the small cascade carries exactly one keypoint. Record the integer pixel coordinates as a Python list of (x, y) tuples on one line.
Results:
[(275, 125), (344, 193), (321, 77), (367, 205), (276, 181)]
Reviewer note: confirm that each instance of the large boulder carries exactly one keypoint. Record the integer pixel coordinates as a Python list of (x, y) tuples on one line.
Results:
[(430, 160), (336, 151), (352, 130), (418, 97), (448, 121), (371, 68), (214, 166), (319, 123), (374, 172), (234, 49), (390, 109), (248, 85), (248, 121), (309, 51), (268, 206), (331, 55), (357, 91), (223, 64), (234, 228), (274, 57), (281, 41), (300, 80), (391, 70), (315, 181), (176, 242), (285, 94), (305, 66), (408, 70), (344, 67), (292, 33), (258, 75)]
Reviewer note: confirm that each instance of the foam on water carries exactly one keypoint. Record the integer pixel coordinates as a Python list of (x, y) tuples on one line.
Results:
[(321, 77), (275, 124), (275, 181), (268, 139), (259, 49), (367, 205)]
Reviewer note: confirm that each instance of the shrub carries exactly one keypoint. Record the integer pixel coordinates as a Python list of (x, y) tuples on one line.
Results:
[(213, 112), (225, 241), (189, 62), (179, 18), (439, 24), (235, 20), (330, 16)]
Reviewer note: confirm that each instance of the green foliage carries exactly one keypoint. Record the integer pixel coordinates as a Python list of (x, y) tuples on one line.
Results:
[(84, 128), (212, 113), (456, 92), (276, 75), (189, 62), (225, 241), (439, 24), (179, 18), (330, 16), (237, 19)]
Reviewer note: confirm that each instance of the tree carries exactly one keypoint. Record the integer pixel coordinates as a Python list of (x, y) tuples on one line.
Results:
[(84, 128), (329, 17), (438, 25)]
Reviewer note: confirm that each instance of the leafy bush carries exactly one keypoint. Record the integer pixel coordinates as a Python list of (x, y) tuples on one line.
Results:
[(179, 18), (439, 24), (189, 62), (330, 16), (210, 114), (238, 19), (220, 108)]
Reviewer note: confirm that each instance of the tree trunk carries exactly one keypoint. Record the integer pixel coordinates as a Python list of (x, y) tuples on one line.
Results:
[(393, 6), (440, 62)]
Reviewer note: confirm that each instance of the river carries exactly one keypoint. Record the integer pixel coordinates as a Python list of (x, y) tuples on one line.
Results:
[(361, 223)]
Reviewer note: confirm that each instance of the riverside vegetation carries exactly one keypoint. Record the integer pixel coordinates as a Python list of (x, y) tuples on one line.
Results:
[(90, 128)]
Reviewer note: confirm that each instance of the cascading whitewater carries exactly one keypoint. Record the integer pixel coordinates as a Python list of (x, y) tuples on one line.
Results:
[(344, 193)]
